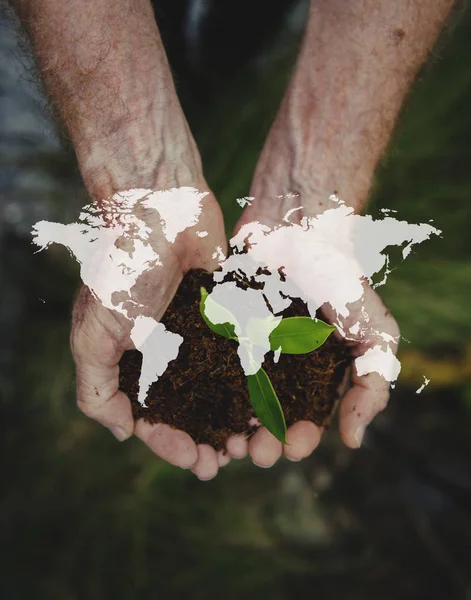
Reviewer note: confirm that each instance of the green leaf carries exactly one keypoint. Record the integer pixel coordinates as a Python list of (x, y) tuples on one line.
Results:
[(299, 335), (226, 329), (266, 405)]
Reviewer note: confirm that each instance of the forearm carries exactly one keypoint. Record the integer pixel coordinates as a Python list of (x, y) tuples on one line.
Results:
[(357, 62), (105, 71)]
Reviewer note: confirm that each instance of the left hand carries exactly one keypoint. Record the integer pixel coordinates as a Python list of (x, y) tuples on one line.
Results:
[(368, 394)]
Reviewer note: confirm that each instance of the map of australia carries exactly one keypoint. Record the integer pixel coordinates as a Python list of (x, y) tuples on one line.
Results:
[(326, 260)]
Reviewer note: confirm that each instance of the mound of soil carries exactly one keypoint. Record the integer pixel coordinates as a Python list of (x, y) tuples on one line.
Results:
[(204, 390)]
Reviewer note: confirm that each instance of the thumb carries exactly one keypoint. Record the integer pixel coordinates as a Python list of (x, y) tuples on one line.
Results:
[(373, 346), (207, 242), (97, 342)]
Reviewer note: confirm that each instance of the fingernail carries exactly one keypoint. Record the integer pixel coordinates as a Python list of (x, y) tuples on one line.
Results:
[(119, 433), (262, 466), (294, 459), (359, 433)]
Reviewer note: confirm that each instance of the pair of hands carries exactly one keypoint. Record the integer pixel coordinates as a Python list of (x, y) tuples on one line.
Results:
[(107, 74), (99, 337)]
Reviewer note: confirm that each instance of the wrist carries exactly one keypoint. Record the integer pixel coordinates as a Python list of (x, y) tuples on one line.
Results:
[(153, 151), (297, 161), (341, 105), (105, 70)]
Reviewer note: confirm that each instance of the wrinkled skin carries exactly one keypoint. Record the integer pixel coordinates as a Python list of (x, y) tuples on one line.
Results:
[(366, 396), (100, 336), (117, 102)]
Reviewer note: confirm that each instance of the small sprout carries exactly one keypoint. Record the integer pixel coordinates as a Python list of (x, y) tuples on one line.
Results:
[(266, 405), (293, 335)]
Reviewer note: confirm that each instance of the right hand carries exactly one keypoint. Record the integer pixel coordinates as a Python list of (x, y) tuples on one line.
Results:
[(99, 337)]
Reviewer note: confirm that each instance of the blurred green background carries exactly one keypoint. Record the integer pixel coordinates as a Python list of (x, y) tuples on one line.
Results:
[(84, 517)]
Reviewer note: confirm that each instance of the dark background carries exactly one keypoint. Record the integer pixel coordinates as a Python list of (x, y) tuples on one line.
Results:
[(83, 517)]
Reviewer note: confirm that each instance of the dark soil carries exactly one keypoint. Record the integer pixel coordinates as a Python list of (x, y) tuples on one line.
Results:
[(204, 390)]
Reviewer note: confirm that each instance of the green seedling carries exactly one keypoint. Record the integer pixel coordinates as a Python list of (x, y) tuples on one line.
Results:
[(293, 335)]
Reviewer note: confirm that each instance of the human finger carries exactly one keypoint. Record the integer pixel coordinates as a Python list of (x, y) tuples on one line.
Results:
[(174, 446), (371, 379), (207, 466), (364, 400), (264, 448), (237, 446), (303, 438), (223, 458), (96, 352)]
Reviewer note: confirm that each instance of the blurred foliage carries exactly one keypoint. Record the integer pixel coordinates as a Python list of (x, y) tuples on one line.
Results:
[(86, 518)]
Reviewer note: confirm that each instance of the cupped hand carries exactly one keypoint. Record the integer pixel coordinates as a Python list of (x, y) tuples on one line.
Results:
[(369, 324), (100, 335)]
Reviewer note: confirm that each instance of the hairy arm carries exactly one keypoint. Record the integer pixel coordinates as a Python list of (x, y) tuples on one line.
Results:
[(107, 76), (356, 64), (106, 73)]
